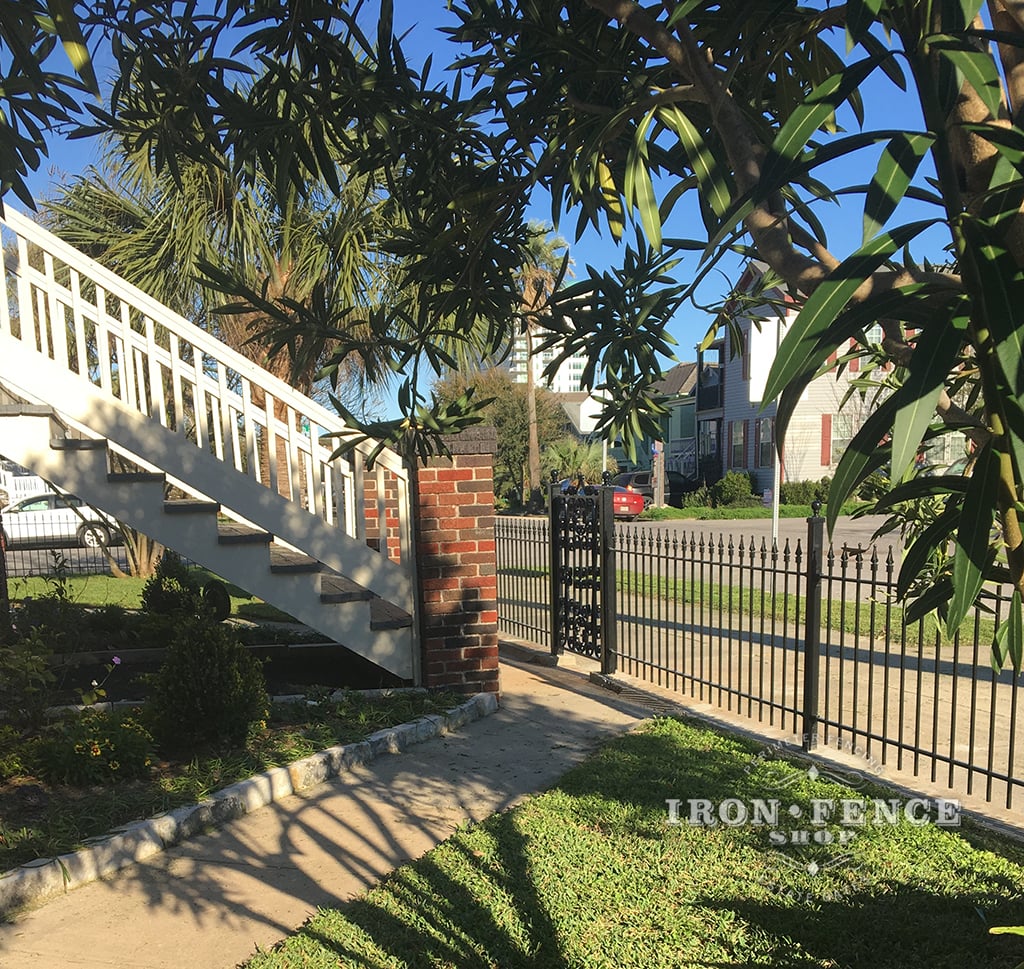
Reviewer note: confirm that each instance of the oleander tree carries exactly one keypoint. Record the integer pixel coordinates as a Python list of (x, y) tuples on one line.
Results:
[(689, 130)]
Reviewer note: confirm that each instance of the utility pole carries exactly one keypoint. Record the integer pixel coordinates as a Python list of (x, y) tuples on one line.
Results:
[(658, 472)]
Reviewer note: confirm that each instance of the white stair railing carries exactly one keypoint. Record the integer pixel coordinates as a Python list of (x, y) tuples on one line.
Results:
[(103, 330)]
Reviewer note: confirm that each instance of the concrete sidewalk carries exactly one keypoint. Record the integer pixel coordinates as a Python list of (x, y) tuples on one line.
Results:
[(208, 903)]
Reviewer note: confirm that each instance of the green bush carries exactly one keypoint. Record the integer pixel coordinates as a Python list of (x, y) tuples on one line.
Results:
[(700, 497), (15, 753), (734, 486), (804, 492), (95, 747), (209, 690), (171, 590), (26, 680)]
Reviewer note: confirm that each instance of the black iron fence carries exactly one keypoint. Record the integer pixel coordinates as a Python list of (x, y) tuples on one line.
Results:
[(807, 638)]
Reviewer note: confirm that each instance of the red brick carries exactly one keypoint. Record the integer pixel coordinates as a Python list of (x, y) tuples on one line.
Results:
[(462, 666), (476, 485), (434, 487), (475, 460), (442, 582), (455, 474)]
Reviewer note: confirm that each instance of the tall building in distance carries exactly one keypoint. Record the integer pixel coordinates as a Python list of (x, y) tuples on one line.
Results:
[(566, 379)]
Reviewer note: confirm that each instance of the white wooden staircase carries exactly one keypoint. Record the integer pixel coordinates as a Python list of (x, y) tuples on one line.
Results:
[(93, 371)]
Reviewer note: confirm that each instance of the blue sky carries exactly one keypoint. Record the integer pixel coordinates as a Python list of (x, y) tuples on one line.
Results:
[(421, 17)]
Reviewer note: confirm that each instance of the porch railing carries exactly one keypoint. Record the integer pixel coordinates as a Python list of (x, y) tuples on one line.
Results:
[(101, 330)]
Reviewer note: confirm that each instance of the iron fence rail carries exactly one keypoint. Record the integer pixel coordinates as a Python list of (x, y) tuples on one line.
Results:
[(523, 551), (807, 638)]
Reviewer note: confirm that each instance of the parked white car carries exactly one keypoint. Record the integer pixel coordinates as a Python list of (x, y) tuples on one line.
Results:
[(53, 519), (18, 482)]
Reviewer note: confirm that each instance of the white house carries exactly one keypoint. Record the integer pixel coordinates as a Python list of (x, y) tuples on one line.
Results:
[(734, 431)]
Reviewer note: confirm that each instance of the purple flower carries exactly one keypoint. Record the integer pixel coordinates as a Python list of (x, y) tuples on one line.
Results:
[(117, 661)]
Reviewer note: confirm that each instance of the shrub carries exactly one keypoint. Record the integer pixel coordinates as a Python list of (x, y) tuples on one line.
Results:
[(804, 492), (736, 485), (15, 753), (209, 690), (52, 611), (26, 679), (95, 747), (171, 590), (700, 497)]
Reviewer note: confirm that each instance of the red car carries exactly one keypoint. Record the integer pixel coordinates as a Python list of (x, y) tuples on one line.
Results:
[(626, 503)]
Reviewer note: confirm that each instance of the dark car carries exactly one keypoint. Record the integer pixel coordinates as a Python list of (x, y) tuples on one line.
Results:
[(642, 482)]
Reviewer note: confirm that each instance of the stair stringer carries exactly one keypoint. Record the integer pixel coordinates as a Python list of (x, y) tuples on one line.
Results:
[(140, 504), (78, 402)]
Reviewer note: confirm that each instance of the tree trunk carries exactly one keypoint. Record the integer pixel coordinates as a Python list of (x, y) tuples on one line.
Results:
[(536, 502)]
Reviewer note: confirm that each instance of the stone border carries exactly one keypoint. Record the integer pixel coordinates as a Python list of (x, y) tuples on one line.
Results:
[(43, 879)]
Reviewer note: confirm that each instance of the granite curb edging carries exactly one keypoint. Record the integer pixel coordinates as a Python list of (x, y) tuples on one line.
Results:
[(40, 880)]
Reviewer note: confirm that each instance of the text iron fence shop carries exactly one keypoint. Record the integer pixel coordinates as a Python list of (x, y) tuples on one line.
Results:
[(806, 638)]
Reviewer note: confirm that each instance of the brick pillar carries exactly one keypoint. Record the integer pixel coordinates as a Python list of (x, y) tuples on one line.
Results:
[(453, 514)]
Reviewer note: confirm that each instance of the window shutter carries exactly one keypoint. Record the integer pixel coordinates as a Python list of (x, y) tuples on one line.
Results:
[(855, 362), (826, 440), (757, 443), (728, 445), (746, 453)]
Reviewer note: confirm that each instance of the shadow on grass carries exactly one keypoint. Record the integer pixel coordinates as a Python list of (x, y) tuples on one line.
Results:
[(590, 873)]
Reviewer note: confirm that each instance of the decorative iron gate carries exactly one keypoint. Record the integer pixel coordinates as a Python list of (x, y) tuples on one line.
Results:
[(583, 573)]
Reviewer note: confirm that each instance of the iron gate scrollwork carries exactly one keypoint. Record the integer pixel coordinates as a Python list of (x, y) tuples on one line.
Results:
[(583, 572)]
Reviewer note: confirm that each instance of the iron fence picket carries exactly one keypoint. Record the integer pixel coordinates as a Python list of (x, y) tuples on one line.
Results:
[(722, 624)]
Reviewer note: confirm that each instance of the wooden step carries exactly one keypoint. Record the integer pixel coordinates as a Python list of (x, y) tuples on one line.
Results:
[(190, 506), (232, 533), (386, 615), (78, 443), (286, 561), (337, 588), (136, 477)]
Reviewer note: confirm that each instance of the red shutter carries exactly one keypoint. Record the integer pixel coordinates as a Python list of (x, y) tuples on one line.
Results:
[(855, 362), (826, 440), (746, 454)]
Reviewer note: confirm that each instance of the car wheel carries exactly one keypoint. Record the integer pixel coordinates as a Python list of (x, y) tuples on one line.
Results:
[(93, 536)]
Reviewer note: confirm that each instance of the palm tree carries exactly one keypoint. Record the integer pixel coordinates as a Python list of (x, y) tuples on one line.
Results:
[(284, 283), (548, 261), (203, 239)]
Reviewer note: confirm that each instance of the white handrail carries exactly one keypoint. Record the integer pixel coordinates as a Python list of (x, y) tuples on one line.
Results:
[(126, 344)]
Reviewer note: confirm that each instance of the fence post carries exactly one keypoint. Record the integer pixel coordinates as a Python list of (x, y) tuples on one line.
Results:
[(812, 632), (606, 527), (5, 595), (555, 502)]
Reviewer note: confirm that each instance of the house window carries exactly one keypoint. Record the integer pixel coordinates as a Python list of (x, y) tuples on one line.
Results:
[(738, 444), (842, 433), (764, 443)]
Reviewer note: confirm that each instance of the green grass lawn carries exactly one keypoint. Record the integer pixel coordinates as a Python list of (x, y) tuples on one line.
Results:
[(101, 590), (590, 874), (669, 513)]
